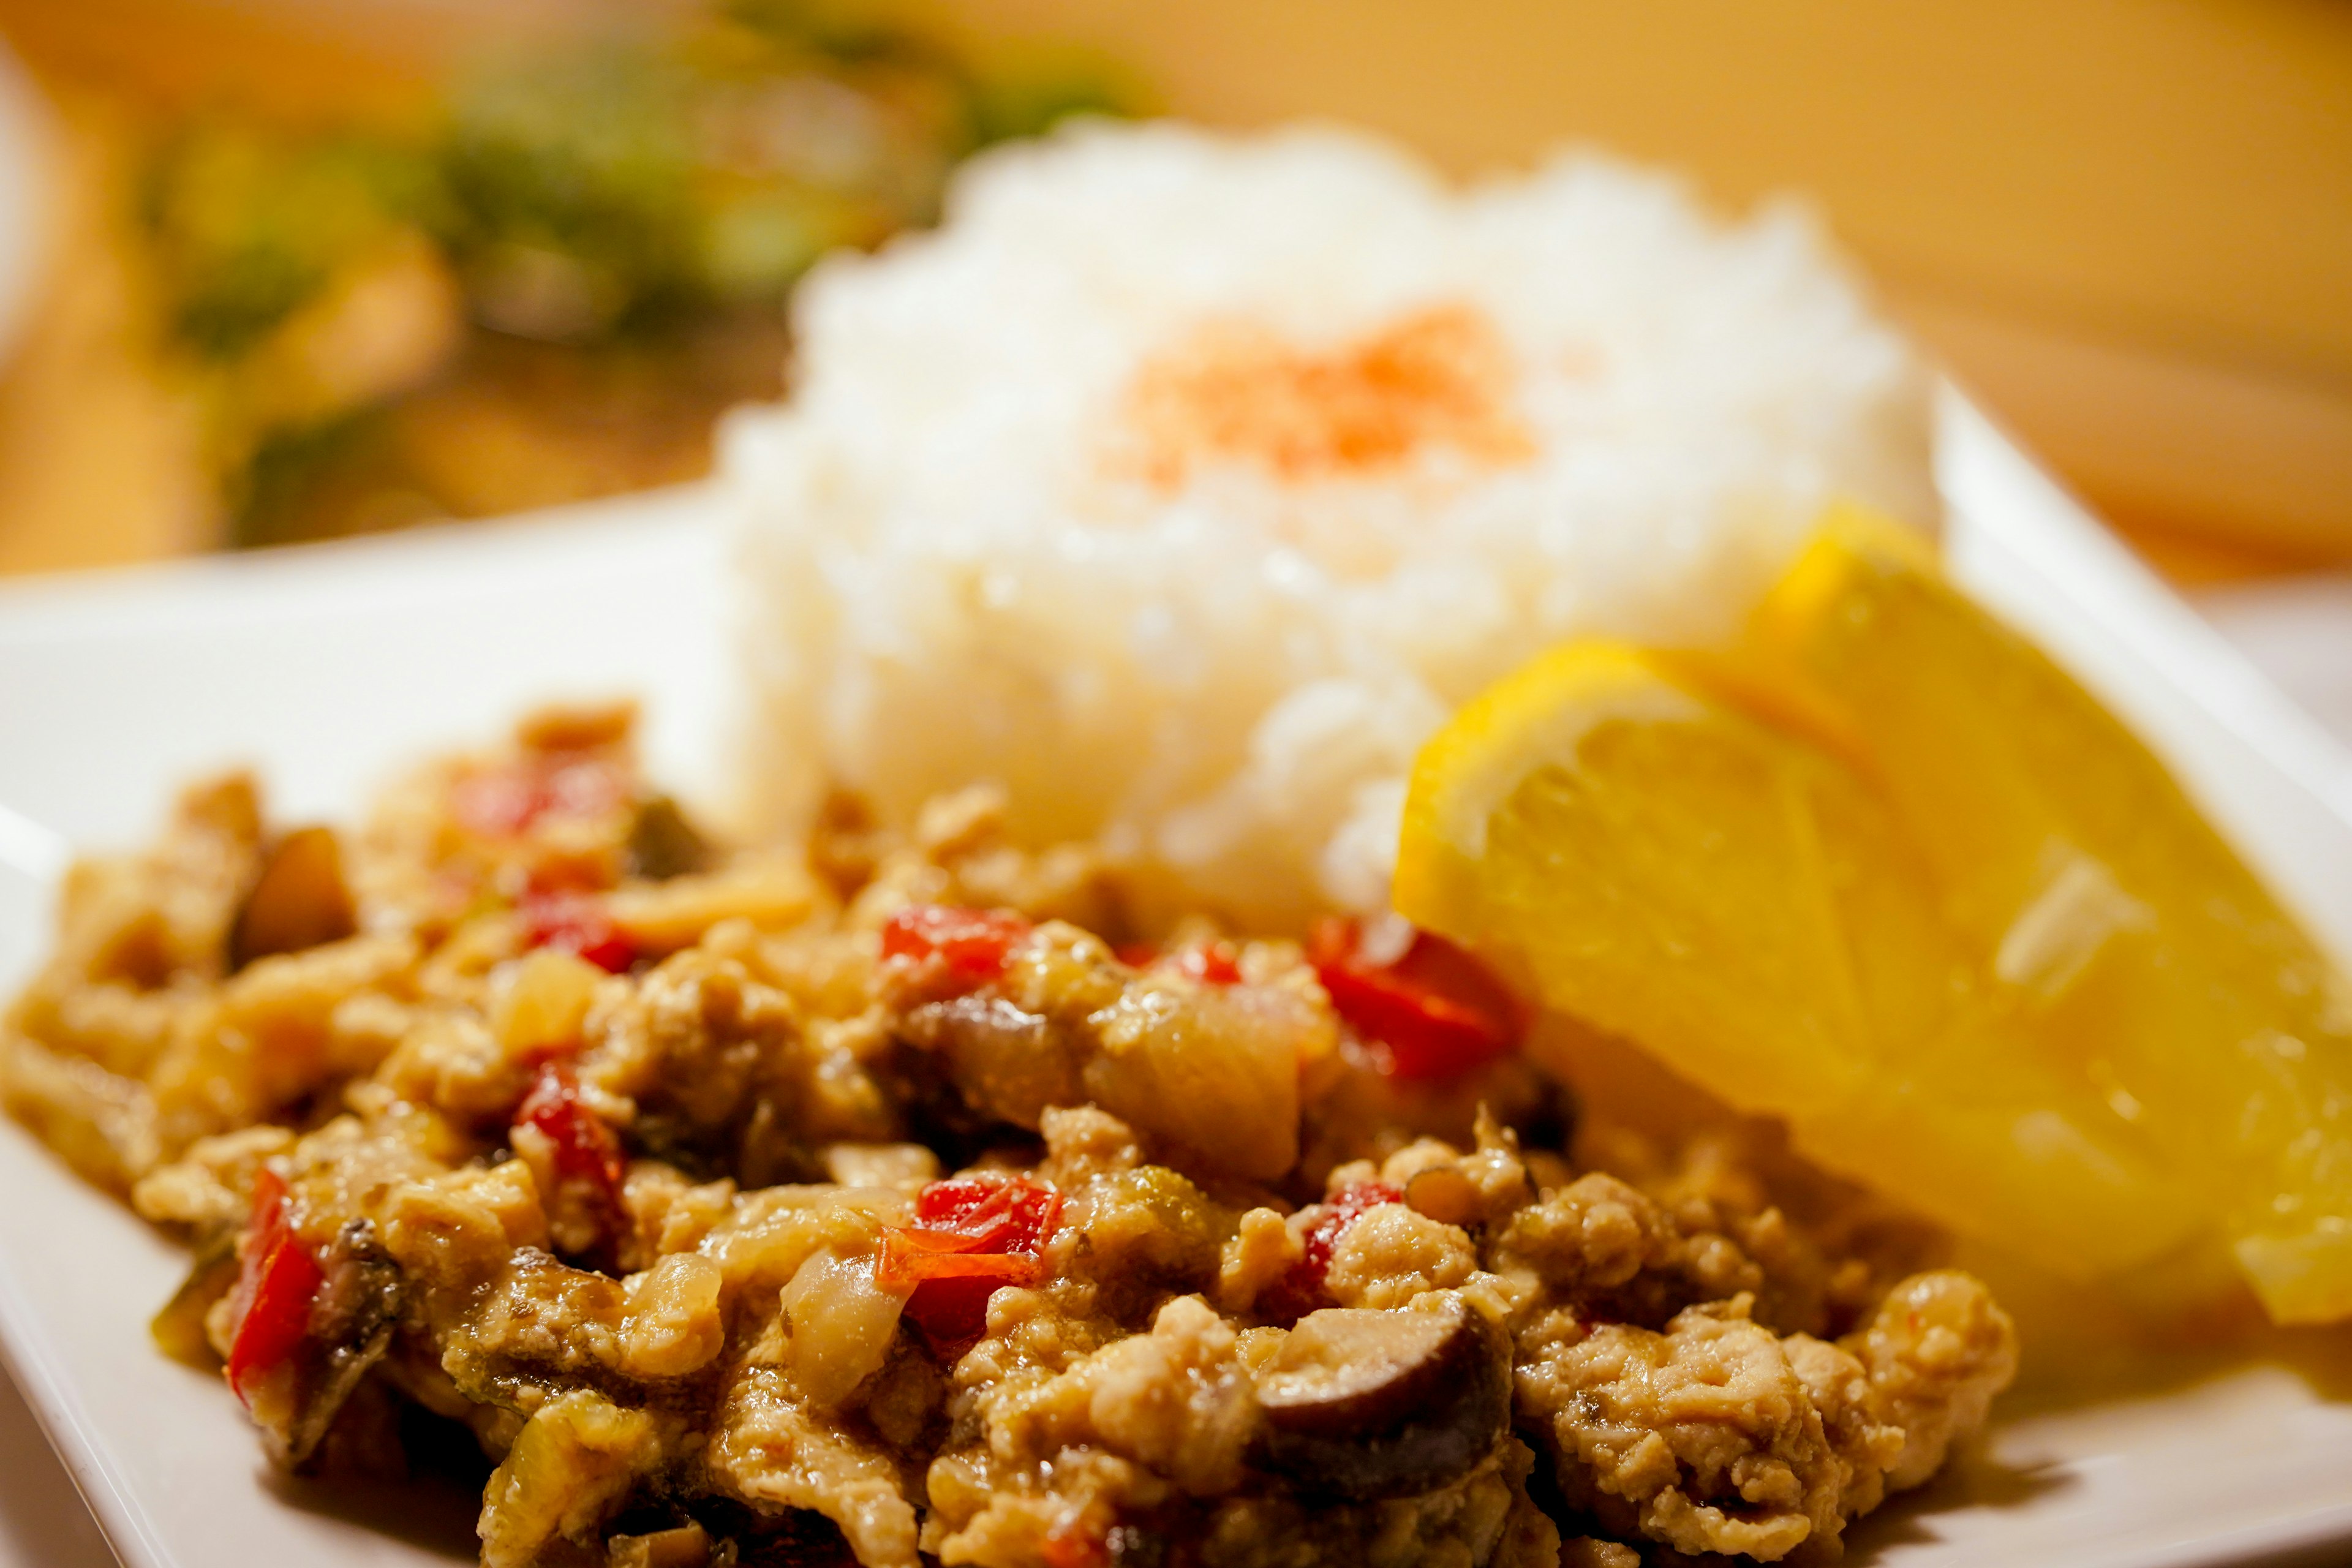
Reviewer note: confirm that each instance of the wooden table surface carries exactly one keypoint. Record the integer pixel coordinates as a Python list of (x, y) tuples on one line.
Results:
[(2127, 227)]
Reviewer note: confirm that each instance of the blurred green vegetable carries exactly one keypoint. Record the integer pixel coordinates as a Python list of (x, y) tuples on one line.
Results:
[(628, 217)]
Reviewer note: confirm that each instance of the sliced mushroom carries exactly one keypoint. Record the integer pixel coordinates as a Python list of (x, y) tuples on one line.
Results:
[(299, 900), (352, 1322), (1366, 1403), (663, 844), (1445, 1193), (1009, 1063)]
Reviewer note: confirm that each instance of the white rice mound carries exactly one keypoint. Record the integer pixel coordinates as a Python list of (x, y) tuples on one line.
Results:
[(959, 568)]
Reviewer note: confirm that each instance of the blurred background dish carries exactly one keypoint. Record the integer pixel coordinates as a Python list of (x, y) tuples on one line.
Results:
[(25, 157), (310, 292), (328, 268)]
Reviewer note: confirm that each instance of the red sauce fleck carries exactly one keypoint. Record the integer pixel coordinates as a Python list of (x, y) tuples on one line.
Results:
[(1214, 963), (1300, 1291), (586, 1148), (506, 799), (1074, 1543), (969, 947), (1236, 391), (577, 923)]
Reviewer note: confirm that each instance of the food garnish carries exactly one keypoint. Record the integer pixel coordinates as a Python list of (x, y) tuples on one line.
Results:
[(278, 1279), (1890, 874)]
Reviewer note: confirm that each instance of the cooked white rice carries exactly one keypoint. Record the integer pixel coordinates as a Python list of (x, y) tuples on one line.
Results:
[(1094, 491)]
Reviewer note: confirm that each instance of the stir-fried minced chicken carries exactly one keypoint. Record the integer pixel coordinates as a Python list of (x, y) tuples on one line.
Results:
[(867, 1202)]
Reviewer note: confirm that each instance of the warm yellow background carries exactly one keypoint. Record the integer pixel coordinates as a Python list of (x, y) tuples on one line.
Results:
[(2128, 224)]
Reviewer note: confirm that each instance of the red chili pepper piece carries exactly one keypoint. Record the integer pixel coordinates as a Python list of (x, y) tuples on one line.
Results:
[(1300, 1290), (971, 1235), (990, 1214), (1214, 963), (278, 1279), (578, 924), (586, 1148), (508, 798), (972, 945), (1433, 1011), (1074, 1543)]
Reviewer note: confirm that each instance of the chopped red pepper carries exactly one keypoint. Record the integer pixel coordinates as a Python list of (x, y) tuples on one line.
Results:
[(1074, 1543), (586, 1148), (997, 1214), (971, 1235), (971, 946), (1300, 1290), (577, 923), (278, 1280), (1432, 1012), (1213, 963), (508, 798)]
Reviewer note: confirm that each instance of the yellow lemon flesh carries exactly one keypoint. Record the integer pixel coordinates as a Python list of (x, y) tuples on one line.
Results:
[(1891, 876)]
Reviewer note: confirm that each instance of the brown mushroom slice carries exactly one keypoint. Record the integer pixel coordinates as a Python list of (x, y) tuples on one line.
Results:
[(1366, 1404), (359, 1305), (299, 900), (663, 844), (1444, 1194), (1008, 1063)]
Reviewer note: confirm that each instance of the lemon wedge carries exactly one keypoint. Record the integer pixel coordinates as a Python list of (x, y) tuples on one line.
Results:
[(2128, 948), (1890, 875)]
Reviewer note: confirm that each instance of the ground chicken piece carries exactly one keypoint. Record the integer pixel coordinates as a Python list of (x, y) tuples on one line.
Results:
[(961, 855), (772, 1449), (1719, 1435), (715, 1063), (1485, 1186), (272, 1035), (1176, 1399), (1664, 1316), (1262, 1249), (459, 1229), (1866, 1444), (1002, 1525), (1702, 1437), (210, 1190), (148, 919), (1605, 1245), (1071, 1420), (668, 1212), (1938, 1350), (573, 1463), (1389, 1255), (1828, 1250), (1485, 1519)]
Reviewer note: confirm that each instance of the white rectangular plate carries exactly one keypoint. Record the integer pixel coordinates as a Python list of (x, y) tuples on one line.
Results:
[(328, 668)]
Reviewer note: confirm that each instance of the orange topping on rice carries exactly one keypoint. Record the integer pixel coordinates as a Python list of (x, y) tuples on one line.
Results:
[(1235, 391)]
